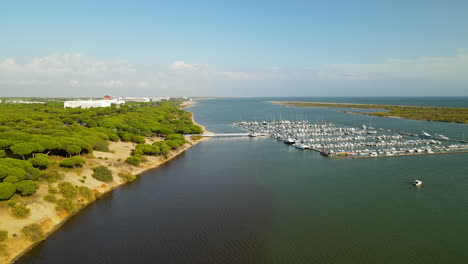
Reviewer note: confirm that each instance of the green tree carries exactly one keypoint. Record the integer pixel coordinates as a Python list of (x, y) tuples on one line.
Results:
[(73, 150), (7, 190), (27, 187), (72, 162), (134, 160), (41, 161), (11, 179), (22, 149)]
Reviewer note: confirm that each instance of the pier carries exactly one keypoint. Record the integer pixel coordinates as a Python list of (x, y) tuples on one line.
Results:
[(225, 134)]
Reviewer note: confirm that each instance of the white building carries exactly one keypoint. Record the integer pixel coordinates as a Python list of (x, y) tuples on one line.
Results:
[(91, 103)]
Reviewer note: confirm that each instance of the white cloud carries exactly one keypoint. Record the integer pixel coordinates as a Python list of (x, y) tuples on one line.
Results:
[(422, 68), (73, 83), (50, 75), (181, 65), (110, 83)]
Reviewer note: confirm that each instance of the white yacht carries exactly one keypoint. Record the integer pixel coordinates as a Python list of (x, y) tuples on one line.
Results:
[(441, 137), (301, 146), (425, 135), (417, 183)]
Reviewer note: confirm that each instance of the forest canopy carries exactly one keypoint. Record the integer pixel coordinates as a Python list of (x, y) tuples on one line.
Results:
[(31, 133)]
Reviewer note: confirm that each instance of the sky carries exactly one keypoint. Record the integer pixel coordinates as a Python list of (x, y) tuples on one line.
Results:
[(234, 48)]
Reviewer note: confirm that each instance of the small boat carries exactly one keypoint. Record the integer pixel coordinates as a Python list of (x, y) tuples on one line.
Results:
[(301, 146), (425, 135), (417, 183), (254, 134), (289, 141), (441, 137)]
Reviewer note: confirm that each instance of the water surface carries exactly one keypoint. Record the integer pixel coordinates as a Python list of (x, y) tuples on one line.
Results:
[(260, 201)]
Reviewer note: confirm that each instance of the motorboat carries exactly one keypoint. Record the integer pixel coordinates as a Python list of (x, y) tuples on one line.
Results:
[(417, 183)]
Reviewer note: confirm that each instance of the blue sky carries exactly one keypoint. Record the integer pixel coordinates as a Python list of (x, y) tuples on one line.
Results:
[(248, 38)]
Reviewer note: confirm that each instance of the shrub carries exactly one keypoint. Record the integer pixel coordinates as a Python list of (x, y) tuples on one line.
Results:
[(67, 190), (103, 174), (50, 198), (51, 176), (7, 190), (72, 162), (34, 232), (2, 153), (65, 204), (134, 160), (127, 176), (27, 187), (3, 235), (101, 146), (20, 211), (86, 193), (53, 190), (196, 137)]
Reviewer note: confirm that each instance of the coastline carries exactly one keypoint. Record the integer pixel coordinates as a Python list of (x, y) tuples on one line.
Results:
[(424, 113), (44, 213)]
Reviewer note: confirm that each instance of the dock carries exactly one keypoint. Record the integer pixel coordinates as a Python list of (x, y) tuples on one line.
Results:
[(225, 134), (413, 154)]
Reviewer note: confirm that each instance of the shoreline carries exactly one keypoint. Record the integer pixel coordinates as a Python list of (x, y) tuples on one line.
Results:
[(457, 115), (51, 220)]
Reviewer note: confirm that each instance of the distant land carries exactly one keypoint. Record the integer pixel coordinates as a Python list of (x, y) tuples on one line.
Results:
[(426, 113)]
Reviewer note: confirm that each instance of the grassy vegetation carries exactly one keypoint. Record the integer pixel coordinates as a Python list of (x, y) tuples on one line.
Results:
[(34, 232), (103, 174), (427, 113), (3, 235), (20, 211)]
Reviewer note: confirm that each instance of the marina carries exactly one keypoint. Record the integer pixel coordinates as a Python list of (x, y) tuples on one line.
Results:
[(340, 140)]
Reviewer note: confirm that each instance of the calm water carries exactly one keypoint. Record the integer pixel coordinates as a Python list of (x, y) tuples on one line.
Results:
[(260, 201)]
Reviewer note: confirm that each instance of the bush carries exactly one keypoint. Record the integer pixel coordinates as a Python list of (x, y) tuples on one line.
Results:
[(7, 190), (72, 162), (86, 193), (67, 190), (34, 232), (103, 174), (53, 190), (134, 160), (65, 204), (127, 176), (27, 187), (196, 137), (51, 176), (20, 211), (3, 235), (101, 146), (50, 198)]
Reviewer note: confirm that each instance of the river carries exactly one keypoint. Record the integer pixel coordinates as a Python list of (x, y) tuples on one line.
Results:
[(242, 200)]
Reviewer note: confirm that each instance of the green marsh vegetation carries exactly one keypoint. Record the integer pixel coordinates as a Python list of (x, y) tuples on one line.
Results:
[(427, 113)]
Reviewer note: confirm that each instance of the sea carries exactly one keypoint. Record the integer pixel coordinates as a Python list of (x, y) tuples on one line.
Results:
[(257, 200)]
